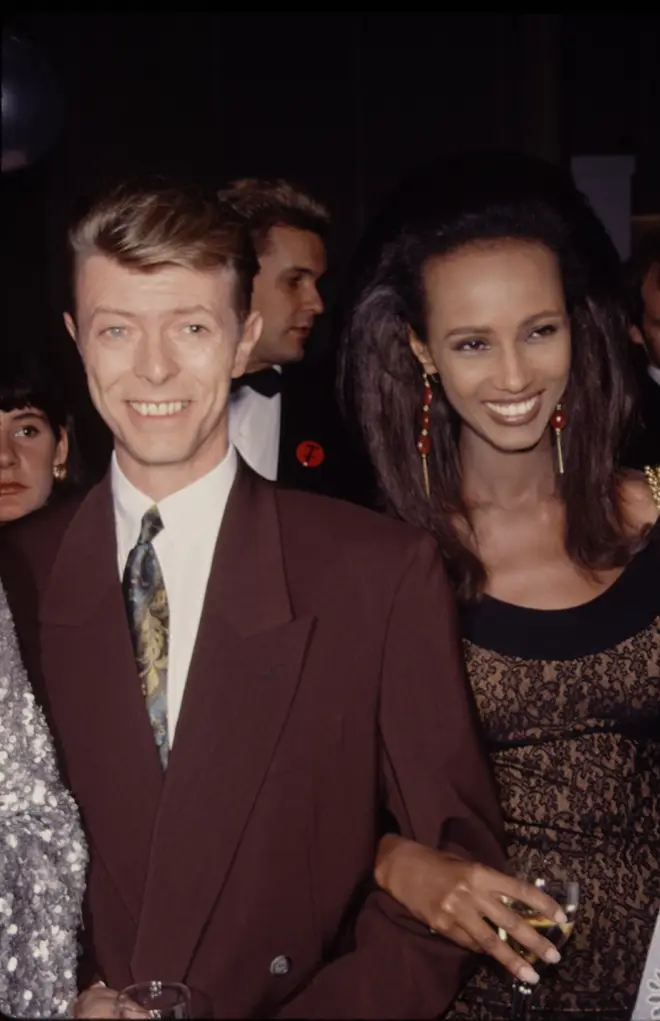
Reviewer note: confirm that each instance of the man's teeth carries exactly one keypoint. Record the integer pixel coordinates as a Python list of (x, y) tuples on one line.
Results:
[(513, 410), (164, 408)]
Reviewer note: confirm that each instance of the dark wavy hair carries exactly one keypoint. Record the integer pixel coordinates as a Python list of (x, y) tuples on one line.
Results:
[(470, 198), (31, 378)]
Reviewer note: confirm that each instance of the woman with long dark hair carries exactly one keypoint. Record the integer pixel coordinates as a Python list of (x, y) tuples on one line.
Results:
[(485, 362)]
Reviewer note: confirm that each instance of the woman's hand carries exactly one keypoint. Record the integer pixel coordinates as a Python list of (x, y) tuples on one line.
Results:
[(455, 897), (97, 1002)]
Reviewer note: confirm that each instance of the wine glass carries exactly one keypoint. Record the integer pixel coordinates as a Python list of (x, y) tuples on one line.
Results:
[(155, 1000), (566, 893)]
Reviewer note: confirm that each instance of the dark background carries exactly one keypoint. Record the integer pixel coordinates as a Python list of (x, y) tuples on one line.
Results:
[(343, 103)]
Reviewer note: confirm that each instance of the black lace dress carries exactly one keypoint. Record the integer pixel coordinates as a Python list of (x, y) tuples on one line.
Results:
[(570, 704)]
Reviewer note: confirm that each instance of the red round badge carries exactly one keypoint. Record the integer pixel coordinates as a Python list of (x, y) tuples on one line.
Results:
[(310, 454)]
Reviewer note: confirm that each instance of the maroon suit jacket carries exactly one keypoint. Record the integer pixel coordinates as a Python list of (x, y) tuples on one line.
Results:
[(325, 686)]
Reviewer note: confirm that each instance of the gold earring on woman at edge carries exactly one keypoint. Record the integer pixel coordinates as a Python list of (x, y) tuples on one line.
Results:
[(424, 441), (653, 478), (59, 472), (558, 421)]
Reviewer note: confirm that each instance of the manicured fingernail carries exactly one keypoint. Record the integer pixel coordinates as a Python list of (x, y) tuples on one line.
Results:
[(528, 975), (560, 917), (552, 956)]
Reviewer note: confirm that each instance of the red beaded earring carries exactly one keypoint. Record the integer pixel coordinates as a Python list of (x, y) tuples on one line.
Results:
[(558, 421), (424, 441)]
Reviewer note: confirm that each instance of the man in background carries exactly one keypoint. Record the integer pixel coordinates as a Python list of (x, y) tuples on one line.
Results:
[(283, 416), (644, 291)]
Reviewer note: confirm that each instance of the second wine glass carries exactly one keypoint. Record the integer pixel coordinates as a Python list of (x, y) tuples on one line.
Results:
[(155, 1000)]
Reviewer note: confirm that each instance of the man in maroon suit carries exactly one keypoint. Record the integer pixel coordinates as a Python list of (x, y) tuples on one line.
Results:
[(241, 681)]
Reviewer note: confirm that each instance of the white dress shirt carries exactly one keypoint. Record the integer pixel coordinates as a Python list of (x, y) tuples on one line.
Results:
[(654, 373), (254, 429), (185, 546)]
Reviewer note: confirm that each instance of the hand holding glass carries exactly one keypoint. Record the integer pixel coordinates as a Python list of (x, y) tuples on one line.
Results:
[(154, 1000), (567, 894)]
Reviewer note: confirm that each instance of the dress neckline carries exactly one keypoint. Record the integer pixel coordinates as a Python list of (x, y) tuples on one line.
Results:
[(627, 606), (564, 609)]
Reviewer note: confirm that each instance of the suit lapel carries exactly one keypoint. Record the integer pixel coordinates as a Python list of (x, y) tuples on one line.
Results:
[(242, 680), (95, 698)]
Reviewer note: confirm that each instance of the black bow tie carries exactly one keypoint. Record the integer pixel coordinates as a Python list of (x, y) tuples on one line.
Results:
[(267, 382)]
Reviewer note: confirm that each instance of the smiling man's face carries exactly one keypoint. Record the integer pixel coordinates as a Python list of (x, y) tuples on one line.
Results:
[(160, 348)]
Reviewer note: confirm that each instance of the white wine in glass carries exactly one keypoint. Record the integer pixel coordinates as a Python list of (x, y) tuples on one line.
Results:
[(567, 894)]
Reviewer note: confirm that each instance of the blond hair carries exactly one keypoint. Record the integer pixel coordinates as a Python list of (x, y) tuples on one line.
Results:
[(266, 204), (149, 226)]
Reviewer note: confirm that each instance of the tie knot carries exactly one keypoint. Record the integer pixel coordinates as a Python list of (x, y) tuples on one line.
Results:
[(151, 525)]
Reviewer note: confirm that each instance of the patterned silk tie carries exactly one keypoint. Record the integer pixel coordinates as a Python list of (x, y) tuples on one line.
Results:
[(148, 620)]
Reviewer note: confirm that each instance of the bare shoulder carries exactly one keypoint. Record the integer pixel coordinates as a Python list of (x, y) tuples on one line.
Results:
[(639, 501)]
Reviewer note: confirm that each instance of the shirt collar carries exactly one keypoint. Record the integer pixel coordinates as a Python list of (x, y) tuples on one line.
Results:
[(200, 504), (654, 373)]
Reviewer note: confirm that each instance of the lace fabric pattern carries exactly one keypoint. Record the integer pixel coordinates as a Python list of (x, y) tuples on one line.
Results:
[(576, 750)]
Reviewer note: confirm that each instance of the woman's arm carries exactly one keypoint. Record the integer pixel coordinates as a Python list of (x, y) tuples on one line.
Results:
[(42, 853), (458, 898)]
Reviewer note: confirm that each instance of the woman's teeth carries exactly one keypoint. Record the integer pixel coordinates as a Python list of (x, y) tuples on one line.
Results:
[(515, 409)]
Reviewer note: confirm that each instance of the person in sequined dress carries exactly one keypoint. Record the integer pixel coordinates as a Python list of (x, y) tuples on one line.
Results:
[(42, 853), (485, 360)]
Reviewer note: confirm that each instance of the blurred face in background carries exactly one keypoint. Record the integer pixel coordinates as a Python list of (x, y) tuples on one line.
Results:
[(649, 335), (499, 338), (29, 453), (286, 294)]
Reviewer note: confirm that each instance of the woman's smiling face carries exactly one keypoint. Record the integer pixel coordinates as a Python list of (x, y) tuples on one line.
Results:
[(499, 338)]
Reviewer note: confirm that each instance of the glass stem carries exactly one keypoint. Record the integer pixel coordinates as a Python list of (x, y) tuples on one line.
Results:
[(522, 996)]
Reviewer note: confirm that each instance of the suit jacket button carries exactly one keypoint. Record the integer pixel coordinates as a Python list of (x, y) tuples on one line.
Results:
[(280, 965)]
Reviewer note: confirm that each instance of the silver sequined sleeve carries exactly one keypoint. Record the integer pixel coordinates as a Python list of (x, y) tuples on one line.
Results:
[(42, 853)]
